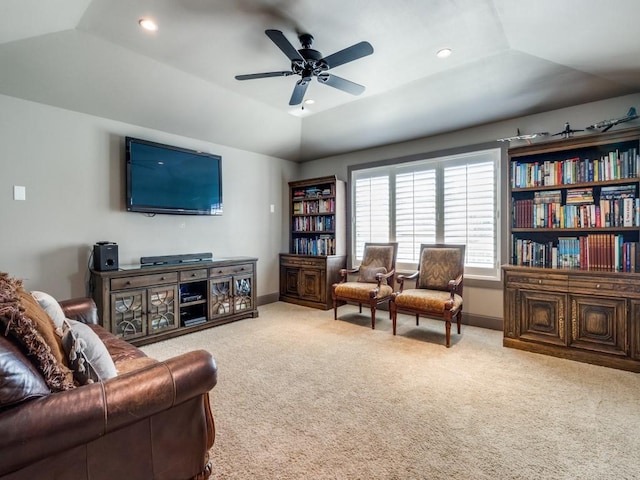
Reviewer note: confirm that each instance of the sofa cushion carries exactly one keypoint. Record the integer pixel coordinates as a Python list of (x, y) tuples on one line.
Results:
[(19, 379), (119, 349), (52, 307), (16, 323), (88, 356)]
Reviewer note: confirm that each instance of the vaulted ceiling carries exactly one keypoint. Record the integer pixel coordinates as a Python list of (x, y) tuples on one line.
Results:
[(509, 58)]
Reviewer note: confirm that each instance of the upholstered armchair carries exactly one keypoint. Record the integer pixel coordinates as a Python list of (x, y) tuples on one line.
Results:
[(438, 287), (375, 281)]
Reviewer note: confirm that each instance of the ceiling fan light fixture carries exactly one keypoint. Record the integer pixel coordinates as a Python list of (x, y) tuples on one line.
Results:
[(148, 24), (444, 53), (309, 101), (309, 63)]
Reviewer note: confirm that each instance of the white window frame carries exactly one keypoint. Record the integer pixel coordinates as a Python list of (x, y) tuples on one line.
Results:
[(438, 162)]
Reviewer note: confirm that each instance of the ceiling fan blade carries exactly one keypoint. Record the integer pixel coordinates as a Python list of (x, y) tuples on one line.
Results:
[(251, 76), (349, 54), (283, 44), (298, 91), (341, 84)]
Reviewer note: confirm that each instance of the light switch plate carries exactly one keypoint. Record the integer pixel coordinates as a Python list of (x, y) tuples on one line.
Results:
[(19, 192)]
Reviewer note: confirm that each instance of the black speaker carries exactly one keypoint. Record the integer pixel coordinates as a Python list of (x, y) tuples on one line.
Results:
[(105, 256)]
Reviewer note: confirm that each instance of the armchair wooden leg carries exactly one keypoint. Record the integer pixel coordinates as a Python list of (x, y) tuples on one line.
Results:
[(393, 311), (373, 316), (448, 327), (417, 319), (335, 308), (459, 318)]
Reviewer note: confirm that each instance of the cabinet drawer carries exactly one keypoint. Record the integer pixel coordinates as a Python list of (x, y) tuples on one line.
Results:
[(143, 280), (193, 275), (604, 286), (558, 282), (302, 262), (231, 270)]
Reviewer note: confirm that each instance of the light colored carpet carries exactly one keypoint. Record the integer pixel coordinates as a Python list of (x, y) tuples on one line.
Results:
[(301, 396)]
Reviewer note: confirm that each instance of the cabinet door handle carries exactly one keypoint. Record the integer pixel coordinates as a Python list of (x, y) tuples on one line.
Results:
[(162, 278), (597, 285), (540, 282), (128, 282), (193, 274)]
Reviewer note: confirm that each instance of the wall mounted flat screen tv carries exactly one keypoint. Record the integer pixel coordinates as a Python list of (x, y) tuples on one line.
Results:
[(166, 179)]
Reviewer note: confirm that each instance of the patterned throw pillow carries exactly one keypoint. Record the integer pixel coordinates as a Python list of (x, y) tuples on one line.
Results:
[(44, 324), (27, 324), (52, 307), (88, 356)]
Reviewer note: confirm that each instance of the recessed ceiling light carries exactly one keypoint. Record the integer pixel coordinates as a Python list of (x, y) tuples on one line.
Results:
[(148, 24), (444, 53)]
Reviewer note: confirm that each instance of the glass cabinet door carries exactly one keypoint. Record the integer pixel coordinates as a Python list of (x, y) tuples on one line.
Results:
[(242, 289), (128, 314), (220, 300), (161, 309)]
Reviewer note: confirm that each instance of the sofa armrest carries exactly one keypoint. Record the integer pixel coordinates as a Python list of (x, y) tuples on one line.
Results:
[(63, 420), (82, 309)]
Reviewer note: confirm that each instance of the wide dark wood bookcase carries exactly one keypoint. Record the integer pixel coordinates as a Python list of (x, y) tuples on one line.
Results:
[(572, 287), (317, 241)]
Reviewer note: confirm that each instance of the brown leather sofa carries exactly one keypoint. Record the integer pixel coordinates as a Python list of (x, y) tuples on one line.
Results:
[(152, 422)]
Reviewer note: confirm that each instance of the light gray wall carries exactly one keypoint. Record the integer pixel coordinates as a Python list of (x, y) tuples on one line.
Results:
[(72, 166), (485, 302)]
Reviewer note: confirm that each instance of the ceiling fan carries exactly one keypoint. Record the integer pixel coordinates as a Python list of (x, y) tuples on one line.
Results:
[(309, 63)]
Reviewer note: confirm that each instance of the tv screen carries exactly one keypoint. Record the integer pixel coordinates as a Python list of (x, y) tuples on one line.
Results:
[(166, 179)]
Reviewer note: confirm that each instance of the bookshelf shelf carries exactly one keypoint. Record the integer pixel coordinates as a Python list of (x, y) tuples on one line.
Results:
[(572, 287), (577, 230), (317, 241)]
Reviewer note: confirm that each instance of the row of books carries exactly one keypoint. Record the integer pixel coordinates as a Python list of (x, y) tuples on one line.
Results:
[(577, 196), (314, 224), (321, 245), (313, 192), (622, 212), (615, 165), (600, 252), (327, 205), (586, 194)]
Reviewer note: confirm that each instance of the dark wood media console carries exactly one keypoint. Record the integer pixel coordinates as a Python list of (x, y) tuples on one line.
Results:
[(145, 304)]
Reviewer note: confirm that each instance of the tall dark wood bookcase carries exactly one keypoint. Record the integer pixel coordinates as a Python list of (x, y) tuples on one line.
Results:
[(572, 287), (317, 241)]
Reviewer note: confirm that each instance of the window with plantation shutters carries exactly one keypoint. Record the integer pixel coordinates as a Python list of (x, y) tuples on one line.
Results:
[(415, 212), (450, 199), (370, 211)]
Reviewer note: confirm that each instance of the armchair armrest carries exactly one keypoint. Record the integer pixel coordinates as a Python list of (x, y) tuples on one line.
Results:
[(345, 272), (63, 420), (402, 278), (384, 276), (82, 309), (454, 285)]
